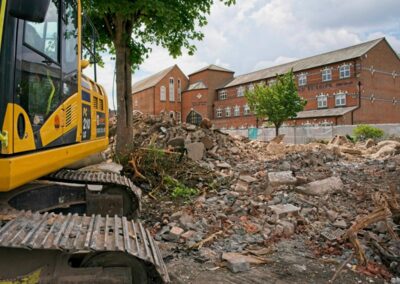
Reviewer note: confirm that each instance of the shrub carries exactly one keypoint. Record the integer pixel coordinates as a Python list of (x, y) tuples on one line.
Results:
[(364, 131), (178, 189)]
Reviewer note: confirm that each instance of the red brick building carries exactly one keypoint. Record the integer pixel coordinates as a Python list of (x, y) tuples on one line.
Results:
[(357, 84), (161, 92), (199, 97)]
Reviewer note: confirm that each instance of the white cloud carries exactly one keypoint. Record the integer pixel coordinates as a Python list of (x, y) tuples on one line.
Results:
[(268, 63), (255, 34), (276, 14)]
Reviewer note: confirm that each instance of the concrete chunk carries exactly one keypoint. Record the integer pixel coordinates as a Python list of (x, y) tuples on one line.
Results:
[(248, 179), (281, 178), (174, 234), (236, 263), (284, 209), (322, 187), (195, 151)]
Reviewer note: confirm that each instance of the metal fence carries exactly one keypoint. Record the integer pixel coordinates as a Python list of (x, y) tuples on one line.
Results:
[(306, 134)]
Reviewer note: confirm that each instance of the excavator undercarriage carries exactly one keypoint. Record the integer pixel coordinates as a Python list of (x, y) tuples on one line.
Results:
[(58, 248)]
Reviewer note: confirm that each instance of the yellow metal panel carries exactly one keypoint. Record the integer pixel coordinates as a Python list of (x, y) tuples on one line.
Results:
[(49, 131), (27, 142), (2, 13), (71, 105), (16, 171), (8, 127)]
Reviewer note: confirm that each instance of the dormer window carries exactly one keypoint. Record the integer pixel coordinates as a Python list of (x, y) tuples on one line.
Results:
[(302, 79), (326, 75), (344, 71)]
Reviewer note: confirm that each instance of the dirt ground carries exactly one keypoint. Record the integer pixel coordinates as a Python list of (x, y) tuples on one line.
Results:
[(291, 263)]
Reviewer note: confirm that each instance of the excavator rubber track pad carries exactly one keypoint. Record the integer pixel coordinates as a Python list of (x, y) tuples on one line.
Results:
[(100, 178), (74, 233)]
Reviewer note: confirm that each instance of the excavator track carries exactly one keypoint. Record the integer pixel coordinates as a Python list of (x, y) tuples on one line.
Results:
[(101, 178), (68, 248), (70, 191)]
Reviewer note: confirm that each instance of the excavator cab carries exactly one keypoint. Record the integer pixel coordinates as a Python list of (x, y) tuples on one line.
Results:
[(51, 115)]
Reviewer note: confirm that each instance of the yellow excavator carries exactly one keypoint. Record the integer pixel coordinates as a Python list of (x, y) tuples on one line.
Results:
[(59, 225)]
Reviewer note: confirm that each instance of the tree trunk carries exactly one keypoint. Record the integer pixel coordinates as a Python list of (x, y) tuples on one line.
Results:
[(277, 129), (124, 90)]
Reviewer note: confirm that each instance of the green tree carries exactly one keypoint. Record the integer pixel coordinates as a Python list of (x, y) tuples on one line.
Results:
[(128, 29), (278, 102)]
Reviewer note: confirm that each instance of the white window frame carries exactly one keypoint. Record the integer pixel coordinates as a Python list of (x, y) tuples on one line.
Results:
[(179, 90), (326, 75), (228, 112), (218, 113), (344, 71), (222, 95), (163, 93), (302, 79), (322, 101), (246, 109), (236, 111), (240, 91), (171, 89), (251, 87), (340, 99)]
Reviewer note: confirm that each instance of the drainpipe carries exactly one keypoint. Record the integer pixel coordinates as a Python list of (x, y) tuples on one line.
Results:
[(359, 102), (154, 101), (359, 91)]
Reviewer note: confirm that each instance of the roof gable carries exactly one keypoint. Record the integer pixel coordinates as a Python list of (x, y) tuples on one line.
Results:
[(152, 80), (212, 67)]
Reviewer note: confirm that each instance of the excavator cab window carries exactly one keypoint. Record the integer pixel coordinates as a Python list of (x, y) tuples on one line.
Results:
[(40, 76), (89, 39)]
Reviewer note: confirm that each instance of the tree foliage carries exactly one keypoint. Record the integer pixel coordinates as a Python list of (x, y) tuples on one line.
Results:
[(128, 29), (139, 24), (278, 102)]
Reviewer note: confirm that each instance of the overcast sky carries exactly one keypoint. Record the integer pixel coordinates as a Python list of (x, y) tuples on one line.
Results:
[(256, 34)]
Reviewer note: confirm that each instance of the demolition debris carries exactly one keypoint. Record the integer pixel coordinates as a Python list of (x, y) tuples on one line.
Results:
[(219, 198)]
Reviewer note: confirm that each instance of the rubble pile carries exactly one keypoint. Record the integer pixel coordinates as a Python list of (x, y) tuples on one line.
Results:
[(252, 194)]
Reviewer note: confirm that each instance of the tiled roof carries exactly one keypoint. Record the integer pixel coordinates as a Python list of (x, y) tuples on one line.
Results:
[(329, 112), (150, 81), (307, 63), (196, 86), (214, 68)]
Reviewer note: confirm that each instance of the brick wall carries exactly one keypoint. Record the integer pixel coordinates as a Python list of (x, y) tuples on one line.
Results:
[(144, 101), (379, 83), (148, 101), (212, 79), (196, 100)]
